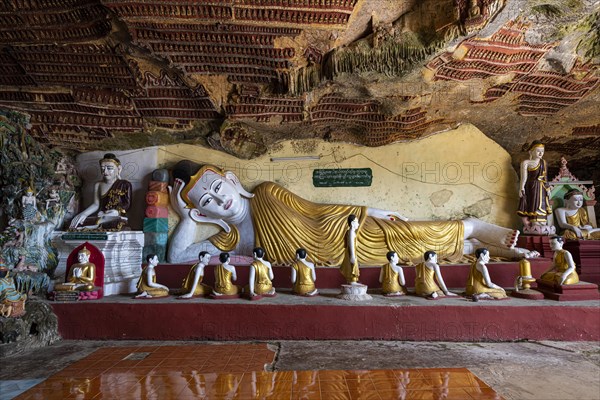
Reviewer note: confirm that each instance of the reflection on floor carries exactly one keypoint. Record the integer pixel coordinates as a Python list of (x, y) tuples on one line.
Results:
[(236, 371)]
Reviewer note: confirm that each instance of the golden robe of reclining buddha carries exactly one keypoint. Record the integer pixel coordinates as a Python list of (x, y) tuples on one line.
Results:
[(321, 230)]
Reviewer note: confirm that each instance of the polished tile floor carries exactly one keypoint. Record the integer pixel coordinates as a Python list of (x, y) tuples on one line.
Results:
[(237, 371)]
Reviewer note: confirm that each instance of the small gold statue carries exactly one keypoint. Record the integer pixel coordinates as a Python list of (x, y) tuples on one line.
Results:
[(146, 285), (224, 276), (81, 275), (261, 274), (192, 284), (427, 273), (303, 275), (479, 284), (391, 276), (562, 271)]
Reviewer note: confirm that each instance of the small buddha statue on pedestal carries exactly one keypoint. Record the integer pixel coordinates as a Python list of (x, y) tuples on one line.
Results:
[(391, 277), (562, 271), (224, 276), (81, 275), (261, 274), (349, 267), (147, 287), (427, 273), (303, 275), (192, 284), (352, 290), (479, 284), (534, 193)]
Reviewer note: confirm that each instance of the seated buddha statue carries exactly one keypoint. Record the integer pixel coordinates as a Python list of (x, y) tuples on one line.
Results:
[(261, 274), (391, 276), (479, 284), (427, 273), (562, 271), (81, 275), (192, 284), (112, 199), (279, 221), (224, 276), (303, 275), (146, 286), (573, 218), (12, 302)]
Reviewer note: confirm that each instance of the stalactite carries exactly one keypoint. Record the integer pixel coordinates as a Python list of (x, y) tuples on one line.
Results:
[(305, 79), (391, 58)]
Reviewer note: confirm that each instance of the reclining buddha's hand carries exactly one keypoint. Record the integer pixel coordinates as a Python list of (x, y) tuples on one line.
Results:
[(384, 214), (176, 200)]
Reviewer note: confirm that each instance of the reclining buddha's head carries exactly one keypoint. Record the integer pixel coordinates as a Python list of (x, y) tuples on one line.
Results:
[(211, 194)]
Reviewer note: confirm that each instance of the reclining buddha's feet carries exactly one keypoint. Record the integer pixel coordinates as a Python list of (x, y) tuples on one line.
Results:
[(490, 234), (510, 240), (525, 253)]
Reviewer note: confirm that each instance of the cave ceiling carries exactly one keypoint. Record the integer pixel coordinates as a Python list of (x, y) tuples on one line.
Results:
[(241, 75)]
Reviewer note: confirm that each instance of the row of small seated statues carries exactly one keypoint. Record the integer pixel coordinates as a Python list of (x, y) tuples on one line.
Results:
[(429, 282)]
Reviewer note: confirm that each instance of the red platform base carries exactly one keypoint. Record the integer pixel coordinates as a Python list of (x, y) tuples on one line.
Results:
[(576, 292), (291, 317), (586, 255)]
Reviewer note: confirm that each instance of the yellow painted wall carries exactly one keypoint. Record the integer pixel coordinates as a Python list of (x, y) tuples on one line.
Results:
[(445, 176)]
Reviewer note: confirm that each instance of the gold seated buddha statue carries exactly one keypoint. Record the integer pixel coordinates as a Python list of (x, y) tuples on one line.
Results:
[(82, 274)]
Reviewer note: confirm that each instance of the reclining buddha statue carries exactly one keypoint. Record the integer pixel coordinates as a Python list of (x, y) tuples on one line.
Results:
[(279, 221)]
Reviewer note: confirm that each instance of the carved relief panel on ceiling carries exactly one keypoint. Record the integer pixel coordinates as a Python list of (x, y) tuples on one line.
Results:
[(86, 70)]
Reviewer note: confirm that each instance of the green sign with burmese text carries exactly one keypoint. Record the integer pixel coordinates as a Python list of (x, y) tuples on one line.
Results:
[(342, 177)]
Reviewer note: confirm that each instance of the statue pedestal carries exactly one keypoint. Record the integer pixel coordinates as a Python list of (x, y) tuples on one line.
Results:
[(122, 253), (528, 294), (523, 289), (586, 254), (540, 230), (575, 292), (357, 292)]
